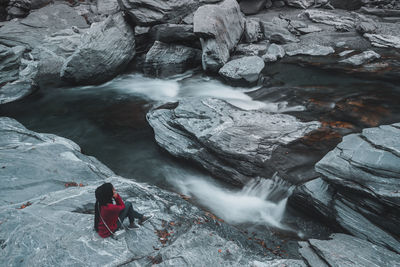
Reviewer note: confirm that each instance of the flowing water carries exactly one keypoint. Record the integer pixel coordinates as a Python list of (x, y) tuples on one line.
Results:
[(108, 122)]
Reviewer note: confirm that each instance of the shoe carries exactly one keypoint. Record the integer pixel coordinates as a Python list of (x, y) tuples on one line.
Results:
[(145, 218), (133, 226)]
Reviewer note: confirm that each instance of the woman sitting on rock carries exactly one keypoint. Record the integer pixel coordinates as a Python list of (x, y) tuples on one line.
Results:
[(108, 217)]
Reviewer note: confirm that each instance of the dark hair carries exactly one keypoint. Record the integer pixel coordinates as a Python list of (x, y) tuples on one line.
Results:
[(104, 194)]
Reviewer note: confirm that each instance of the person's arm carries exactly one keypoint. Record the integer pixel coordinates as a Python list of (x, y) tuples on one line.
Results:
[(119, 203)]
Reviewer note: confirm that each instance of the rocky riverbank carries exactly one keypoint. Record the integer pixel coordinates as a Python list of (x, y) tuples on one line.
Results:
[(353, 189)]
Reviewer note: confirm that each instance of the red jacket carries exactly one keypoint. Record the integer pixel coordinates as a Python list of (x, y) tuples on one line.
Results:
[(110, 216)]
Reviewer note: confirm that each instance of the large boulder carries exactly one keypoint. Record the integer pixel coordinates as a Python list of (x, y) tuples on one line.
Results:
[(168, 59), (31, 30), (104, 51), (220, 26), (47, 205), (231, 143), (345, 250), (146, 13), (364, 169), (243, 70)]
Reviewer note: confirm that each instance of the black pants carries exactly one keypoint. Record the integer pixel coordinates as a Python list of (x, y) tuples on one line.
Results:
[(128, 212)]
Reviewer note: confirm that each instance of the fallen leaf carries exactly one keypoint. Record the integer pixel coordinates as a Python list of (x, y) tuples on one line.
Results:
[(23, 206), (219, 250)]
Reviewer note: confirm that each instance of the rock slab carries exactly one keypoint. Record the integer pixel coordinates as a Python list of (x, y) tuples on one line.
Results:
[(231, 143), (105, 49)]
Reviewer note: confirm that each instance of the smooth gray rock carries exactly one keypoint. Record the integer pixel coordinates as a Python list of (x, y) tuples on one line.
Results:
[(105, 50), (359, 226), (345, 250), (257, 49), (250, 7), (279, 3), (221, 27), (277, 33), (309, 50), (147, 13), (107, 7), (15, 90), (367, 162), (245, 69), (174, 33), (274, 53), (168, 59), (315, 198), (330, 18), (56, 229), (362, 58), (31, 30), (252, 31), (310, 257), (231, 143), (53, 53), (300, 3), (10, 62), (385, 41)]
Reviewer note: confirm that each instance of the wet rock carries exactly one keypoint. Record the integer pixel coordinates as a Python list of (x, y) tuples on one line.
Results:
[(330, 18), (231, 143), (277, 32), (315, 198), (268, 4), (169, 59), (252, 31), (308, 29), (250, 7), (243, 70), (31, 30), (300, 3), (51, 55), (107, 7), (96, 60), (220, 27), (258, 49), (366, 27), (386, 41), (360, 59), (10, 61), (356, 224), (345, 53), (174, 33), (345, 250), (274, 53), (147, 13), (47, 216), (309, 50), (15, 90), (18, 8), (347, 4), (365, 167)]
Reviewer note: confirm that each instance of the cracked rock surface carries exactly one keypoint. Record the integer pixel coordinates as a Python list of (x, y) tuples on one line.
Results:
[(44, 222), (231, 143)]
